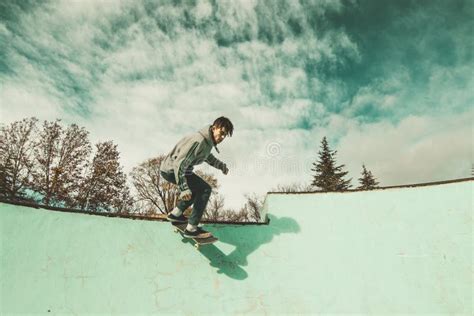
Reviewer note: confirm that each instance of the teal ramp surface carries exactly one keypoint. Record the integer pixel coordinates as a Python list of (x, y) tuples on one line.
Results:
[(394, 251)]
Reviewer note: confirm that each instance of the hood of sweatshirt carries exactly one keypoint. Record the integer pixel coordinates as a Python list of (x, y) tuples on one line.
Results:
[(206, 132)]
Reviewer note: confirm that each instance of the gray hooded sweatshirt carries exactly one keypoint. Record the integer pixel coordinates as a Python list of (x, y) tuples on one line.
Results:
[(190, 151)]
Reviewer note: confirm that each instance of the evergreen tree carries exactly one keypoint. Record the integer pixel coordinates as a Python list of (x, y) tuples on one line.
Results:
[(367, 182), (329, 177)]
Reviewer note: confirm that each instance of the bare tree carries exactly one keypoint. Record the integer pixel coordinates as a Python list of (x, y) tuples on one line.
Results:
[(292, 188), (124, 201), (240, 216), (46, 153), (5, 166), (104, 187), (16, 150), (156, 194), (153, 192), (215, 208), (253, 206), (60, 156), (249, 212)]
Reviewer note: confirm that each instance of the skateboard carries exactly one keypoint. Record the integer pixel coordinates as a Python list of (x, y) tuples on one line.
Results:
[(180, 227)]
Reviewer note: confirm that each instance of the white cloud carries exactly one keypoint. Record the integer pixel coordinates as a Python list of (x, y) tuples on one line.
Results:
[(415, 150), (147, 88), (18, 102), (451, 87), (292, 83), (203, 10)]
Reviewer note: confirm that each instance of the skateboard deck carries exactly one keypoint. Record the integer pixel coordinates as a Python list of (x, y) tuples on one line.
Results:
[(180, 227)]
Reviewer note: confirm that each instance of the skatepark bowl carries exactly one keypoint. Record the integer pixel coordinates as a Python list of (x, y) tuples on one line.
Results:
[(392, 251)]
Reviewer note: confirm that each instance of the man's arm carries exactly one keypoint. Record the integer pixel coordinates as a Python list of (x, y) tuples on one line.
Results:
[(216, 163)]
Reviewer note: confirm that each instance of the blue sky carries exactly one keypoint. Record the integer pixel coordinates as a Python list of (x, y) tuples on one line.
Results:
[(388, 82)]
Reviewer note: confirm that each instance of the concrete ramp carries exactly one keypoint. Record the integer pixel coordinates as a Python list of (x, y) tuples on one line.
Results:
[(395, 251)]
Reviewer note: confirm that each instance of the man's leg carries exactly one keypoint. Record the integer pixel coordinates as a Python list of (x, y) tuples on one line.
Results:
[(181, 205), (201, 193)]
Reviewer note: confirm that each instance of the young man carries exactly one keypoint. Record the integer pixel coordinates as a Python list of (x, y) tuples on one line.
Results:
[(177, 167)]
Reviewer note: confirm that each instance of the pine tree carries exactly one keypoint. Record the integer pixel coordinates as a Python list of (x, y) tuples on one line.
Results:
[(367, 182), (329, 177)]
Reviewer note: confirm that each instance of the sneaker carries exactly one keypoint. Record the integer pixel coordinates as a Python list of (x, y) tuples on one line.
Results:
[(199, 233), (177, 219)]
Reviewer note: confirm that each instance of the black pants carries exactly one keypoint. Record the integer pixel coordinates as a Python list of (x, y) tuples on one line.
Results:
[(201, 192)]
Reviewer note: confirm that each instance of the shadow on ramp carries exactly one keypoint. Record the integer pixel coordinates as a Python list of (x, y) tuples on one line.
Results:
[(246, 239)]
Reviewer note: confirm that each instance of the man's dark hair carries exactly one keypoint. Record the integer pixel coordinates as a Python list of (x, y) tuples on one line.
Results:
[(226, 123)]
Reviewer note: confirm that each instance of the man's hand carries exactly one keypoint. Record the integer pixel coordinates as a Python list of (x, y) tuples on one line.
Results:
[(185, 195), (225, 170)]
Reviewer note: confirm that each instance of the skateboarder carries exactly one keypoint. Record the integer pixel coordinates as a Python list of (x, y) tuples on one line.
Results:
[(177, 168)]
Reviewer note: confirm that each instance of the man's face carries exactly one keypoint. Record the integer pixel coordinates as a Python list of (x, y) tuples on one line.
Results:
[(219, 133)]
